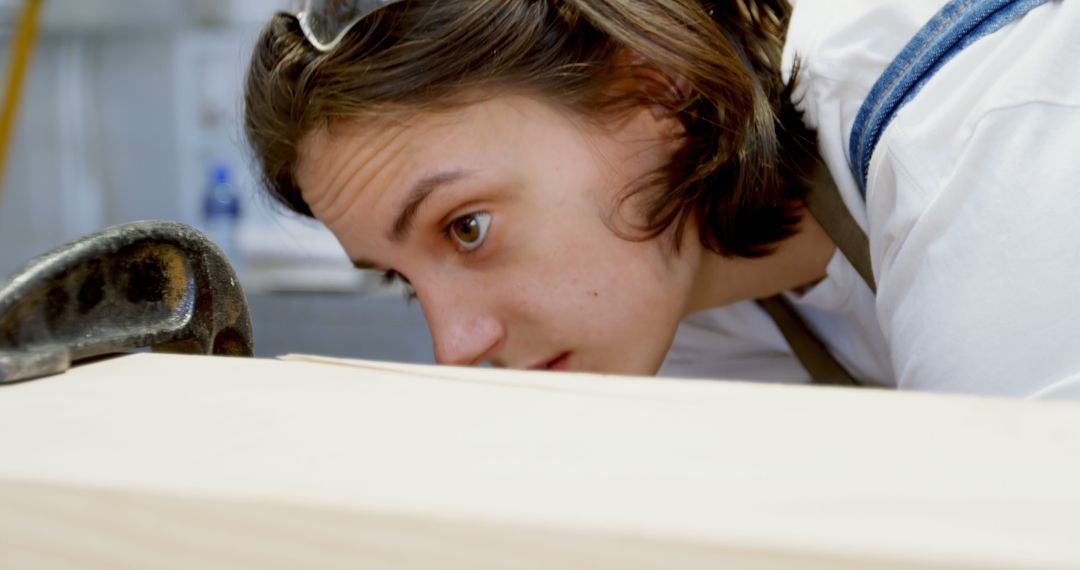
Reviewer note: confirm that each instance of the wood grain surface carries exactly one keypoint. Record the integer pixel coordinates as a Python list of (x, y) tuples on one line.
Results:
[(154, 461)]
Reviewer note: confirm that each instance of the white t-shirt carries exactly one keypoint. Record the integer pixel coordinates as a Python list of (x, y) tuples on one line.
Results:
[(972, 210)]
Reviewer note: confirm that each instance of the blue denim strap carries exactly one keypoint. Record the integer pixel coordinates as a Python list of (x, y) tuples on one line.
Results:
[(955, 27)]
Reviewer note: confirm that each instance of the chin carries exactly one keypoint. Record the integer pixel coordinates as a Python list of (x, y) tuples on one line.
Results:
[(631, 367), (624, 362)]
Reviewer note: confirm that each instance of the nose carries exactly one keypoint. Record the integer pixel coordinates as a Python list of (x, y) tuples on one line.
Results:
[(464, 330)]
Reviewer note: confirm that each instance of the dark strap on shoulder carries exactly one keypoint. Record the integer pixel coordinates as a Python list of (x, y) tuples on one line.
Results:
[(827, 206), (811, 352)]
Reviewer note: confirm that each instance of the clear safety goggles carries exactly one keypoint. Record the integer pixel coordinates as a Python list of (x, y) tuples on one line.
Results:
[(325, 22)]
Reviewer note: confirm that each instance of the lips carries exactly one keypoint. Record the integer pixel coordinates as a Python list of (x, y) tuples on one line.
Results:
[(560, 362)]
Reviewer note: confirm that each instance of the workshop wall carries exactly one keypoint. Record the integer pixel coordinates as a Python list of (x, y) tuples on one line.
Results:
[(94, 142), (128, 105)]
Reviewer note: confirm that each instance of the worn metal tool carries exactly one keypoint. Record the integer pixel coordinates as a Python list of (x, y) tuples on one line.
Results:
[(157, 285)]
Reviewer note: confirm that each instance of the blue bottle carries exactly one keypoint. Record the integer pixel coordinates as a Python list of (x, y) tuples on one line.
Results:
[(221, 212)]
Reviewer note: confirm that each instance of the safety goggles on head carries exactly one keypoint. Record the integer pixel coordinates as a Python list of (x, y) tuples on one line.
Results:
[(325, 22)]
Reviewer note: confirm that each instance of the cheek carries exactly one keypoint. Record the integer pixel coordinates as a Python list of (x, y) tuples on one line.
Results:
[(636, 282), (608, 287)]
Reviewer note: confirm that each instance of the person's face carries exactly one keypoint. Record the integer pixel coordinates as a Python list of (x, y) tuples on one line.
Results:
[(497, 214)]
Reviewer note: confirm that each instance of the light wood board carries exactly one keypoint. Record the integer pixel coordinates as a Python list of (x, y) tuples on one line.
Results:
[(195, 462)]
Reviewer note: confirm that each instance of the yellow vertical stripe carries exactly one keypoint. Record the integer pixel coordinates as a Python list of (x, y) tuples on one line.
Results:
[(22, 45)]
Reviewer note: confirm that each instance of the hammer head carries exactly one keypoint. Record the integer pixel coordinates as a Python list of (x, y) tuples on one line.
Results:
[(158, 285)]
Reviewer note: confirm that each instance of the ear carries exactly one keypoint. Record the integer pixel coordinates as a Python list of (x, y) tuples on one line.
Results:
[(664, 91)]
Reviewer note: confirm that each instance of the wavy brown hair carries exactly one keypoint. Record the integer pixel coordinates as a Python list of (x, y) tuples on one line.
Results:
[(739, 174)]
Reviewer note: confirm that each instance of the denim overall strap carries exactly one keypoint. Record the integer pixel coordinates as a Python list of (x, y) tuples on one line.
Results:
[(959, 24)]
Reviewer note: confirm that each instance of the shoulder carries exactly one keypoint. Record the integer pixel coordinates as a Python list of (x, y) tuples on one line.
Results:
[(843, 46), (1001, 107), (970, 193), (971, 199)]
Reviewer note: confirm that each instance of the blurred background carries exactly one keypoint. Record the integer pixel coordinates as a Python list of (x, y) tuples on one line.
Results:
[(130, 110)]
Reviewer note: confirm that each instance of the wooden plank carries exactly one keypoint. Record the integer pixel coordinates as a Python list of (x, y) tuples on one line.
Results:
[(209, 462), (45, 527)]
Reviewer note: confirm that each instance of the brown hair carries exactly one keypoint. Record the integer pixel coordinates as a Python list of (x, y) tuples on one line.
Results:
[(740, 171)]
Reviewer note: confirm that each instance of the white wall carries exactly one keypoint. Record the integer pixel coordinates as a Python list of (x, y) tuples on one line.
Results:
[(93, 144), (123, 113), (109, 127)]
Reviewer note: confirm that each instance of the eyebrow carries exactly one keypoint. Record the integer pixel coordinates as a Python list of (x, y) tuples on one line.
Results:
[(417, 194)]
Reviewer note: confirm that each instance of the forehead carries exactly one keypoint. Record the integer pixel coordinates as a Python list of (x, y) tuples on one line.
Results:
[(412, 139), (353, 173), (478, 121), (420, 131), (381, 154)]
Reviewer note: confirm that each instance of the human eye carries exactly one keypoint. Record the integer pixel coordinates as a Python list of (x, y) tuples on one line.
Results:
[(390, 277), (469, 231)]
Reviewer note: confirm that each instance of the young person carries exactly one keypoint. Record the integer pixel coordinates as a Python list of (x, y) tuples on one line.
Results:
[(563, 182)]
